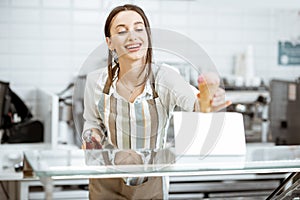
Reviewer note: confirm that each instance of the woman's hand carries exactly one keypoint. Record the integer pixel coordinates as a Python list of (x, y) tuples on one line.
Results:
[(218, 102), (211, 97), (92, 139)]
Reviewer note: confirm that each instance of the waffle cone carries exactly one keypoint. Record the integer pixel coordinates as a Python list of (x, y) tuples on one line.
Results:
[(207, 92)]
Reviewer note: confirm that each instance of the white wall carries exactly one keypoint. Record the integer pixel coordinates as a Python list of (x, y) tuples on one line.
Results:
[(44, 42)]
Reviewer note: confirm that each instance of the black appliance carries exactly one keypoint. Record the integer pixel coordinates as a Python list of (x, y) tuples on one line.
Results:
[(16, 124), (285, 112)]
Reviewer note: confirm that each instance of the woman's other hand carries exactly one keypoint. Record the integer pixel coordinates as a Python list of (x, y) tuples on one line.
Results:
[(92, 139)]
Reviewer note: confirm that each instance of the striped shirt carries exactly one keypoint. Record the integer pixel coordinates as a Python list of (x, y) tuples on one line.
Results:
[(170, 86)]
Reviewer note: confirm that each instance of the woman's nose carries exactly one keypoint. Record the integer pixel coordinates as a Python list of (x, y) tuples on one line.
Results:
[(132, 35)]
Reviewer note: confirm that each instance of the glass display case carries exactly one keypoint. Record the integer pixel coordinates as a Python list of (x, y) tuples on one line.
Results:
[(49, 165)]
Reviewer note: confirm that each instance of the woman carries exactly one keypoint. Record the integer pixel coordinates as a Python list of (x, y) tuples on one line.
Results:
[(132, 99)]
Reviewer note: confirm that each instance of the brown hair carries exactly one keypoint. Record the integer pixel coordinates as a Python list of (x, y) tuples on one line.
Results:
[(113, 13)]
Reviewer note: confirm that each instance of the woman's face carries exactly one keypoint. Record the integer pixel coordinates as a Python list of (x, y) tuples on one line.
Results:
[(128, 36)]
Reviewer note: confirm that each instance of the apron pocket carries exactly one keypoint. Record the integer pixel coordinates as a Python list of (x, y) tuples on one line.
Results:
[(115, 188), (150, 189)]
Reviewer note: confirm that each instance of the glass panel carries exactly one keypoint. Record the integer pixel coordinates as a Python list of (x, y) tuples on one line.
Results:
[(116, 163)]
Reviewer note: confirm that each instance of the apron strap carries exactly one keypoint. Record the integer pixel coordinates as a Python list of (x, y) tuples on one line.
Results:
[(109, 82), (107, 86), (152, 83)]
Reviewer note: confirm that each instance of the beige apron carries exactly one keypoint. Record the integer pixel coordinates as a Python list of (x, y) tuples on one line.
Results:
[(131, 126)]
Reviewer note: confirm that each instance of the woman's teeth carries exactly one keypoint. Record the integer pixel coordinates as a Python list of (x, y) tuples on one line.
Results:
[(133, 46)]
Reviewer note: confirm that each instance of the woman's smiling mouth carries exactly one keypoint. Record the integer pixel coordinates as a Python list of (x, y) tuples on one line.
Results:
[(133, 47)]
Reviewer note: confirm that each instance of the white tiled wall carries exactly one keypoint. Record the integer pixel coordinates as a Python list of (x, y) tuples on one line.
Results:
[(43, 43)]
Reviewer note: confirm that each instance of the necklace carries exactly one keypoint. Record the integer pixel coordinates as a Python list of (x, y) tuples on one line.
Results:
[(126, 92), (130, 84), (127, 88)]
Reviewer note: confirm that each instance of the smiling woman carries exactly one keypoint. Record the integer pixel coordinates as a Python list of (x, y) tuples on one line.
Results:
[(131, 101)]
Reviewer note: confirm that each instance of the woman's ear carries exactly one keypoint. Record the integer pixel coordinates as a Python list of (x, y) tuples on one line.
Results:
[(109, 43)]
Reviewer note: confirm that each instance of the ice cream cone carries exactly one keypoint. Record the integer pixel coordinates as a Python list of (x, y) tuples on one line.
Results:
[(208, 84)]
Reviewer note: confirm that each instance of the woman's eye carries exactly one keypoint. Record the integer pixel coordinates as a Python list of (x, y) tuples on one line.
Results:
[(139, 29), (122, 32)]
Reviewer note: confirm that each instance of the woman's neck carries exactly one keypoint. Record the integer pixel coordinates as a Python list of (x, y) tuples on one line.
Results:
[(131, 79), (132, 71)]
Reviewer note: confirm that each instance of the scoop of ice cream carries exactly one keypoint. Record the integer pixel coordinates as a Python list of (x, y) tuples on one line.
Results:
[(128, 157), (209, 78)]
